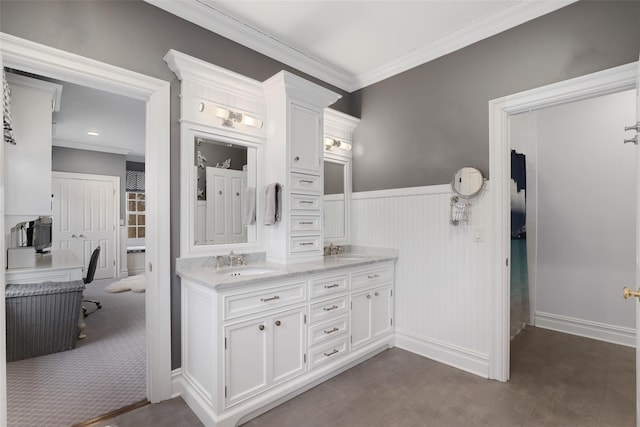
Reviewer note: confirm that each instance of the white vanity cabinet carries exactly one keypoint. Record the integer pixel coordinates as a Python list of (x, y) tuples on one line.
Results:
[(263, 352), (248, 345), (305, 133), (371, 305)]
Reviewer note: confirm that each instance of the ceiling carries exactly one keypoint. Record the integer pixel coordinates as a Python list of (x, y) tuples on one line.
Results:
[(354, 43), (120, 122), (347, 43)]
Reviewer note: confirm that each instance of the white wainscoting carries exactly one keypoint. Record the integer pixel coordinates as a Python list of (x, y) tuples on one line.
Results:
[(443, 274), (586, 328)]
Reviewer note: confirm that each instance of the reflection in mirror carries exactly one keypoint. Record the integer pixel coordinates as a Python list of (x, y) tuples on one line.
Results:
[(225, 192), (467, 182), (334, 200)]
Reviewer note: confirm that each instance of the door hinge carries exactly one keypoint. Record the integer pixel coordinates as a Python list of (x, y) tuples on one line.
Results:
[(305, 358), (225, 343), (506, 262), (351, 339), (225, 391), (391, 321), (150, 268), (114, 262), (391, 293), (305, 319), (351, 305)]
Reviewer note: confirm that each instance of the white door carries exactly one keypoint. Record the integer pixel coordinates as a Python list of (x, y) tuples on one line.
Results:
[(381, 312), (288, 345), (84, 217), (637, 136), (360, 318), (225, 191)]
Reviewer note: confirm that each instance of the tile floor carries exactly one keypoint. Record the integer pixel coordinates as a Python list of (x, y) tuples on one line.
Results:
[(556, 380)]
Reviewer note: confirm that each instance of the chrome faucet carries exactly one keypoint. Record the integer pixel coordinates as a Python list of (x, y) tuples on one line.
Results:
[(219, 262), (236, 259)]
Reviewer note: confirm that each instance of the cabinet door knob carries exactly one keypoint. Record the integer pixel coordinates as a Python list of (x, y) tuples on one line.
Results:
[(278, 323), (377, 294), (369, 296), (261, 327), (296, 158), (73, 236)]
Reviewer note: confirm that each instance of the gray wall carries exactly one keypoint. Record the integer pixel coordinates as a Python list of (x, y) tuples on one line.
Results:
[(92, 162), (420, 126), (135, 35)]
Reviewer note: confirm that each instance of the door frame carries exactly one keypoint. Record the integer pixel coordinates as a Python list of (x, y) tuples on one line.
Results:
[(47, 61), (115, 180), (605, 82)]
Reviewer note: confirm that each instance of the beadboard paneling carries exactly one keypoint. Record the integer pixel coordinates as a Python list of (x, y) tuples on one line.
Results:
[(442, 275)]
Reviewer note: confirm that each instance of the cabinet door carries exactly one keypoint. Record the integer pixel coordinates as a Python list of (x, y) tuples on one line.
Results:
[(360, 318), (246, 359), (288, 345), (306, 137), (381, 311)]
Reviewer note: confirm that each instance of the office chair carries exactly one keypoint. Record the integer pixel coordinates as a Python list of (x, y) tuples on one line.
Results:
[(91, 271)]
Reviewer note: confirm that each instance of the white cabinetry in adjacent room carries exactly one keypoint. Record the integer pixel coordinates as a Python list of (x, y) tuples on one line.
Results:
[(223, 214), (27, 165)]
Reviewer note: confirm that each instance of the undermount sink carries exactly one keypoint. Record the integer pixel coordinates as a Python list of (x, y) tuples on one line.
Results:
[(247, 270)]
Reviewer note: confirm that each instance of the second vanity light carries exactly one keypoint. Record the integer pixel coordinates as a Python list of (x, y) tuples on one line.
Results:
[(330, 143)]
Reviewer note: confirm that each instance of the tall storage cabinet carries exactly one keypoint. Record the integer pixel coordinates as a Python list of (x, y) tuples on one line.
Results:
[(295, 108), (27, 164)]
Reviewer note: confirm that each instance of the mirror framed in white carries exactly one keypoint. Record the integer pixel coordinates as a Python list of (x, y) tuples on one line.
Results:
[(188, 189), (344, 239)]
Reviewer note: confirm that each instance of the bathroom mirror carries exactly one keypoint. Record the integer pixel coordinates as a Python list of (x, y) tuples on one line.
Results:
[(467, 182), (337, 195), (219, 200)]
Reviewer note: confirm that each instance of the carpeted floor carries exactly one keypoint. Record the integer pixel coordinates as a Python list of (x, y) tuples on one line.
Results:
[(106, 370)]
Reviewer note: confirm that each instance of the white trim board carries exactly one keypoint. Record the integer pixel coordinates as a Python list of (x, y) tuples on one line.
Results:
[(408, 191), (205, 15), (47, 61), (469, 361), (586, 328), (609, 81)]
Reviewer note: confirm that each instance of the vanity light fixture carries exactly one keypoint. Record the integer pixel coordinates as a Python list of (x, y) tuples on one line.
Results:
[(330, 144), (232, 118)]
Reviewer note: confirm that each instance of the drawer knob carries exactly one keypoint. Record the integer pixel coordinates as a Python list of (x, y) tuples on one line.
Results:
[(278, 323), (330, 331), (335, 285), (331, 353), (333, 307), (275, 297), (261, 327)]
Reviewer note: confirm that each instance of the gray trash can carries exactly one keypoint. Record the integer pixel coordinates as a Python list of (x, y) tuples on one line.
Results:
[(42, 318)]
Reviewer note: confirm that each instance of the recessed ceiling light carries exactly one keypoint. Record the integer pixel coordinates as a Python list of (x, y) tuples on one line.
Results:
[(93, 133)]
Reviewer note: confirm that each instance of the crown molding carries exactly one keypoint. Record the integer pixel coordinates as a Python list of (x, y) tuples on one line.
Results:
[(480, 30), (204, 14)]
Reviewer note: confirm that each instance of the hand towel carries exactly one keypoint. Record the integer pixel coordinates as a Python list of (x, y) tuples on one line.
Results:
[(272, 203), (249, 206)]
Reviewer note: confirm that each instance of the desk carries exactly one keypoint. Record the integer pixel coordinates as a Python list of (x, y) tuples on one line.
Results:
[(57, 266)]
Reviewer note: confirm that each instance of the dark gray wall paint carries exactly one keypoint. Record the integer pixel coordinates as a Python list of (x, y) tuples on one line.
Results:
[(135, 35), (92, 162), (420, 126)]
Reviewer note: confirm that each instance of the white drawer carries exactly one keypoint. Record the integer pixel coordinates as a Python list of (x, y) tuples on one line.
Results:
[(302, 244), (328, 285), (327, 352), (328, 331), (306, 222), (371, 277), (325, 310), (304, 182), (237, 305), (306, 202)]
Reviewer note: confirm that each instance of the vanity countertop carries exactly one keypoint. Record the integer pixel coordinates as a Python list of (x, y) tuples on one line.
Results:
[(204, 272)]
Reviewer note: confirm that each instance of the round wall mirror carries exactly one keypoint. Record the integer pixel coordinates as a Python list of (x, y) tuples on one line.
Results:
[(467, 182)]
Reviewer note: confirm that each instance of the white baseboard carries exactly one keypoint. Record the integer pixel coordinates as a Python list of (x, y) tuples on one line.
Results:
[(176, 383), (466, 360), (586, 328)]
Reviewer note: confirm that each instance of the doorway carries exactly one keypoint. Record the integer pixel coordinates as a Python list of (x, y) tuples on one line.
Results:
[(42, 60), (606, 82)]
